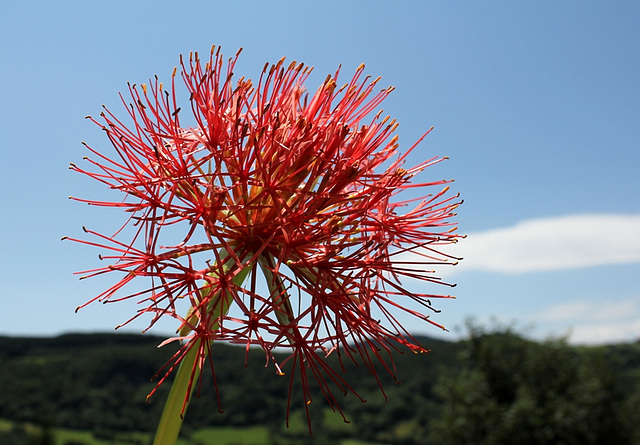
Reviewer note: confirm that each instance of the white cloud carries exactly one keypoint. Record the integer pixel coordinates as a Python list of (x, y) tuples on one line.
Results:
[(606, 333), (589, 311), (546, 244), (594, 322)]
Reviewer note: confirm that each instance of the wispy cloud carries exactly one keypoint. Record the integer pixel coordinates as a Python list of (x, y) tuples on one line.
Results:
[(590, 311), (605, 333), (566, 242), (595, 322)]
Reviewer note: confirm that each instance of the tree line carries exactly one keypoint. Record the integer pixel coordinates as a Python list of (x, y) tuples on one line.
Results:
[(494, 387)]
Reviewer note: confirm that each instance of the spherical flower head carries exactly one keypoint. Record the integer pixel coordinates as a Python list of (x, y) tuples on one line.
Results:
[(274, 214)]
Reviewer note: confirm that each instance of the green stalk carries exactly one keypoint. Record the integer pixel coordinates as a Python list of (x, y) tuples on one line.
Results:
[(172, 415), (171, 420)]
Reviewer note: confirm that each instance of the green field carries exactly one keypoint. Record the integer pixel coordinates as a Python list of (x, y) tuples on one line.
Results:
[(28, 433)]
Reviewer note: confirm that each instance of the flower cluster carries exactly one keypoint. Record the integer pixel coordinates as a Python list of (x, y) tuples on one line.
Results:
[(270, 214)]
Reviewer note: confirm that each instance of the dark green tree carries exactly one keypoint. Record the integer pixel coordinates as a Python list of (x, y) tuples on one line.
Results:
[(510, 390)]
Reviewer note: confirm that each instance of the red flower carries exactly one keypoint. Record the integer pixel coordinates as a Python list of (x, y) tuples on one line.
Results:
[(277, 204)]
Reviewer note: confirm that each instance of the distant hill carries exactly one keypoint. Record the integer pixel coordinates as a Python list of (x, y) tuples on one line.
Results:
[(100, 382)]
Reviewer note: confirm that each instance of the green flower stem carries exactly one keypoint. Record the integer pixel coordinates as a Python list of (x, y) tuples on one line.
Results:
[(171, 420), (172, 415)]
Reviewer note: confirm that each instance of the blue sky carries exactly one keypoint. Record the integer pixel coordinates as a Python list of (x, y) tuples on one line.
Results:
[(536, 104)]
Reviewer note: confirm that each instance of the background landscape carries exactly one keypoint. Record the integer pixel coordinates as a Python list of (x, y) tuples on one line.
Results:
[(494, 388)]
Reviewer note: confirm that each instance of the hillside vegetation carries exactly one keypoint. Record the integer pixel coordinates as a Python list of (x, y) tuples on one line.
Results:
[(496, 387)]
